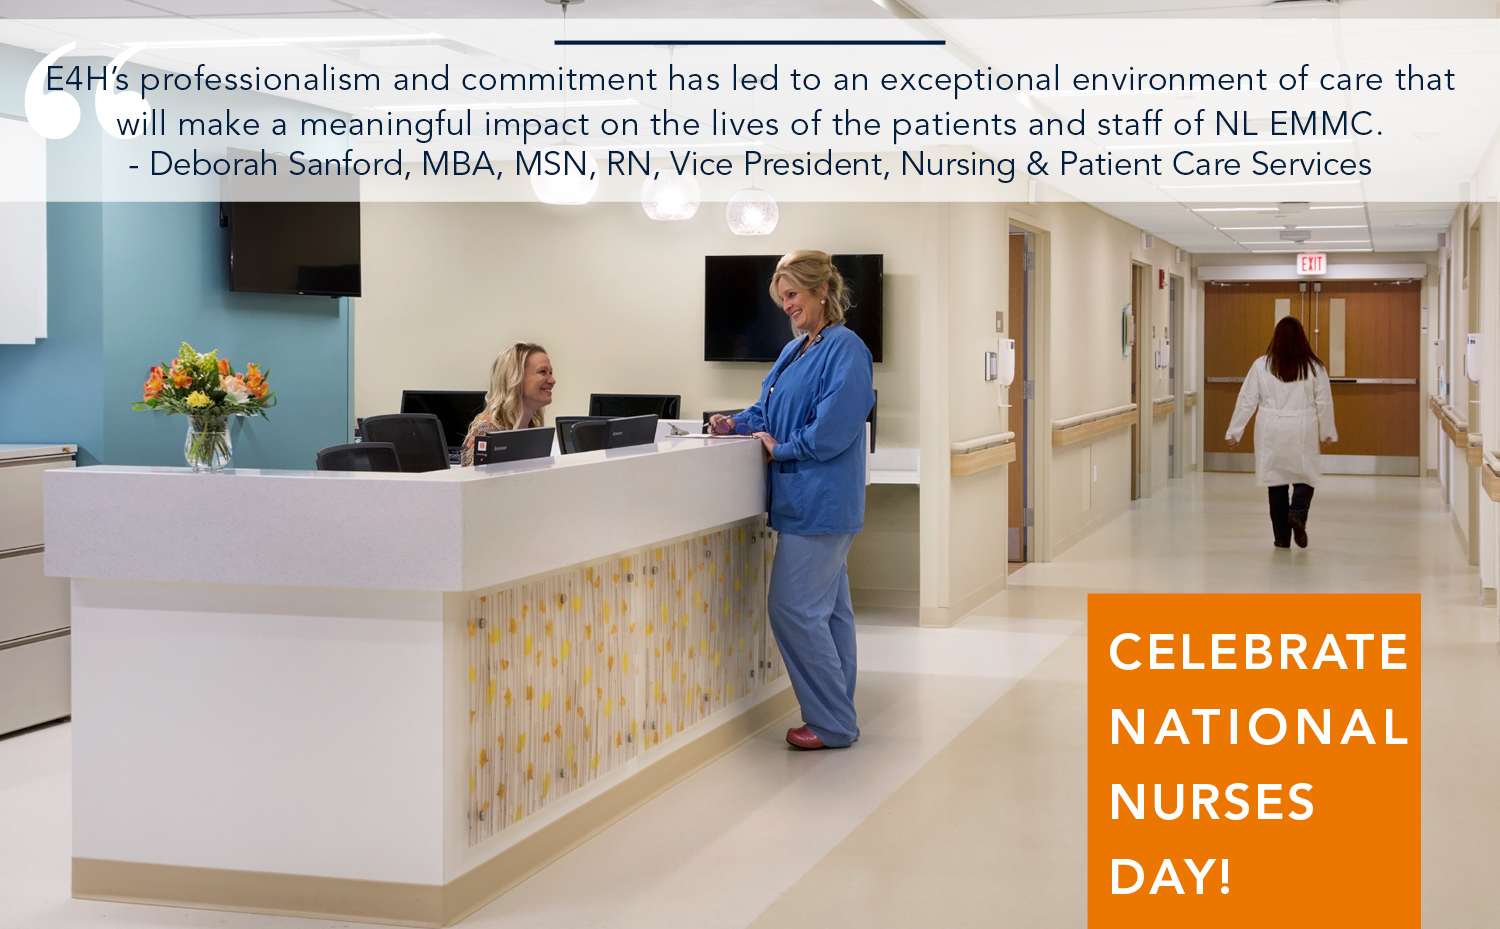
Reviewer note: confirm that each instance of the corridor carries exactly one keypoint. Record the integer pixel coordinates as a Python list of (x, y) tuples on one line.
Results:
[(963, 804)]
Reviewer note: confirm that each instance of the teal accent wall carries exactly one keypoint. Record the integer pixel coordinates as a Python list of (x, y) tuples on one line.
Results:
[(166, 278), (51, 392), (127, 284)]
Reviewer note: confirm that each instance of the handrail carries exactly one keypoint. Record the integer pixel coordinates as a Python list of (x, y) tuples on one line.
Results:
[(1082, 418), (971, 456), (968, 446)]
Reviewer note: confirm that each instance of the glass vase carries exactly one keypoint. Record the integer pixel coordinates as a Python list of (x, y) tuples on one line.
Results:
[(207, 447)]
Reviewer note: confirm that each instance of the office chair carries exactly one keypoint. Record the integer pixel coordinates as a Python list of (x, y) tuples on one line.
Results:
[(590, 435), (665, 406), (418, 437), (359, 456), (565, 426)]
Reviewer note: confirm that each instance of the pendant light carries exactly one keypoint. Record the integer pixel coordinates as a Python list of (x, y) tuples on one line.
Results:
[(670, 198), (752, 211), (569, 186)]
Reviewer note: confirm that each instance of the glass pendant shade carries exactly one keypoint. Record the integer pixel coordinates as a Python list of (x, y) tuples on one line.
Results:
[(576, 178), (752, 211), (670, 197)]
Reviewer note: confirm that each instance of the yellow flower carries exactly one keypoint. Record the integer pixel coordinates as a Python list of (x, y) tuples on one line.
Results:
[(198, 399)]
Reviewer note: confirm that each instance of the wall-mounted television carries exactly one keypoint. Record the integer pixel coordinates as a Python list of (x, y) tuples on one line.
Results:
[(291, 233), (294, 248), (742, 323)]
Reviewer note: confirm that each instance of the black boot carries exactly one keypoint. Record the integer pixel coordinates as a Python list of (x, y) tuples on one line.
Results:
[(1280, 526), (1297, 512)]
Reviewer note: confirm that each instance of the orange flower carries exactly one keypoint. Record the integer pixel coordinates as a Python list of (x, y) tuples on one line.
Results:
[(181, 378), (223, 366), (153, 385), (255, 381)]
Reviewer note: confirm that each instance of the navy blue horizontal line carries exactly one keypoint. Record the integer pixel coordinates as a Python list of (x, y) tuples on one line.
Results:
[(749, 42)]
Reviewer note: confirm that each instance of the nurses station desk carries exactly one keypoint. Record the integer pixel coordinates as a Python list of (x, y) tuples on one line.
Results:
[(391, 697)]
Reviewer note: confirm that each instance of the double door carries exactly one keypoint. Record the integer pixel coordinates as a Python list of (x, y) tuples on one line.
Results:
[(1368, 334)]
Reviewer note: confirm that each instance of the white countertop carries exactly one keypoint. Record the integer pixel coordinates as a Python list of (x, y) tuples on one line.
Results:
[(460, 529), (12, 452)]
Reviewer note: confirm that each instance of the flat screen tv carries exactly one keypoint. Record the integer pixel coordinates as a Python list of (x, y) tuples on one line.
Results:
[(742, 323), (294, 248)]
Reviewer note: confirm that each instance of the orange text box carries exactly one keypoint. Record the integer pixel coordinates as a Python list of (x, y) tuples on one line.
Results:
[(1344, 849)]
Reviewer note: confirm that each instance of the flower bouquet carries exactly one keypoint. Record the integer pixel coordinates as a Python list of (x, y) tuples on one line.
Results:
[(206, 389)]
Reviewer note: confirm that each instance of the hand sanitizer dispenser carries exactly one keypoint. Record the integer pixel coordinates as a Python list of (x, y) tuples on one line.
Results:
[(1474, 358), (1006, 368)]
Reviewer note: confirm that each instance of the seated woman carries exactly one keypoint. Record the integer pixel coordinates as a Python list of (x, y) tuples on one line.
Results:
[(521, 384)]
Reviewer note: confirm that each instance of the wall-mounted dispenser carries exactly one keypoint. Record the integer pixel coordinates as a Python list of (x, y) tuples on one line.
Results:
[(1005, 368), (1474, 358), (1439, 351)]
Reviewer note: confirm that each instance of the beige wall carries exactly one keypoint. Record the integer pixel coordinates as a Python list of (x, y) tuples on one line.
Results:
[(616, 297), (1087, 257)]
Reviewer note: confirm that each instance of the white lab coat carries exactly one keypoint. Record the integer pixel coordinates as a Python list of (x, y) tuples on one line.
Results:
[(1293, 416)]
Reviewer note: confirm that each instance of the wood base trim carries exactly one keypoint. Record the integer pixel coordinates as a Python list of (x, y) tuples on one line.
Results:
[(424, 905), (982, 460), (384, 902), (1096, 428)]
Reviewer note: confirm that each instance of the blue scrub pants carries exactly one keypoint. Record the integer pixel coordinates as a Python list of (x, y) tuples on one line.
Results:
[(813, 620)]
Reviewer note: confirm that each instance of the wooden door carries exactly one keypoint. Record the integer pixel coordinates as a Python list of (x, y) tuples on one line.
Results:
[(1016, 313), (1381, 326)]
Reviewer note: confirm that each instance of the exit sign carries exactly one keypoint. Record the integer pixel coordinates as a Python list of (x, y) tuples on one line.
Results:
[(1312, 263)]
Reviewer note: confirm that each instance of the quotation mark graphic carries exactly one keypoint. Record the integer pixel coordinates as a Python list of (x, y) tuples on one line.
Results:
[(53, 115), (123, 112)]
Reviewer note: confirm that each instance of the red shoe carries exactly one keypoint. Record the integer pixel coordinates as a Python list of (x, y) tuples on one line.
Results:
[(803, 738)]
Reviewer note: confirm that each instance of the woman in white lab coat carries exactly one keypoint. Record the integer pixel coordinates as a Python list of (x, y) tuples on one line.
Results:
[(1289, 385)]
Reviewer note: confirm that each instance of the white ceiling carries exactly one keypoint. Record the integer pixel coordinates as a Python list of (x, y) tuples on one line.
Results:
[(736, 9), (1223, 228)]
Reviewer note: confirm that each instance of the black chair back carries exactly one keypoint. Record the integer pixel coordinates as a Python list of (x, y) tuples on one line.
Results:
[(664, 406), (418, 438), (565, 426), (359, 456), (591, 435)]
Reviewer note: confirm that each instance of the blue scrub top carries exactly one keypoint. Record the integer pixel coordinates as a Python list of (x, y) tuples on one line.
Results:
[(815, 408)]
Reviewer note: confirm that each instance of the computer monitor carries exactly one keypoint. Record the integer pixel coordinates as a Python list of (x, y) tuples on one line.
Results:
[(663, 406), (513, 445), (565, 431), (456, 409), (632, 430)]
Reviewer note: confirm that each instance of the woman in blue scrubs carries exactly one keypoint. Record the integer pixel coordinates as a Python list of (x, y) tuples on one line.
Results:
[(811, 418)]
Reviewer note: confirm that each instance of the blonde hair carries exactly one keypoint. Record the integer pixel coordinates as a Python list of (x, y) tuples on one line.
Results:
[(808, 270), (502, 403)]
